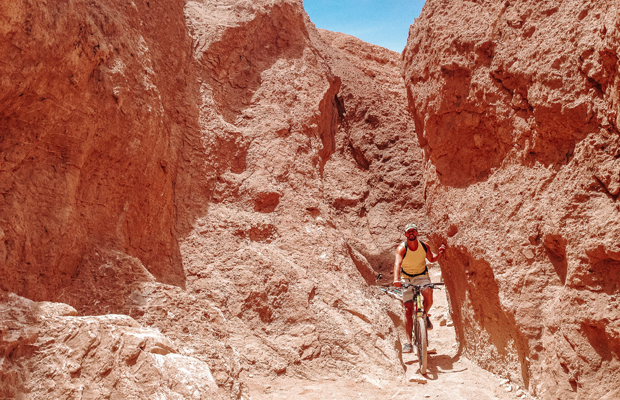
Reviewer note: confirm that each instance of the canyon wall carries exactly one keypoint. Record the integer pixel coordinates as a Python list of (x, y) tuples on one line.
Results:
[(90, 116), (210, 188), (516, 108)]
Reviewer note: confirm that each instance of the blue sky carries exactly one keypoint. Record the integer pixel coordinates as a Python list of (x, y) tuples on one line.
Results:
[(382, 22)]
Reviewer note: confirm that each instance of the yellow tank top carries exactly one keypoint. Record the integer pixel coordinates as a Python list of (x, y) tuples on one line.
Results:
[(414, 262)]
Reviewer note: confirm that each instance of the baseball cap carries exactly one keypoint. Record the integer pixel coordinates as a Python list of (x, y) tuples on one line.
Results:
[(409, 227)]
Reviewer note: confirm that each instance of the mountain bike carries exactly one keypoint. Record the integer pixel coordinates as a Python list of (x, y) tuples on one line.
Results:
[(419, 322)]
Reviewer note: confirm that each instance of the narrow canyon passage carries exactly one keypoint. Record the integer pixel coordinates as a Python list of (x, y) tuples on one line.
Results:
[(200, 199)]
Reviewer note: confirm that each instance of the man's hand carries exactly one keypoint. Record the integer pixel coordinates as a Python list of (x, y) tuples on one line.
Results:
[(397, 284), (442, 249)]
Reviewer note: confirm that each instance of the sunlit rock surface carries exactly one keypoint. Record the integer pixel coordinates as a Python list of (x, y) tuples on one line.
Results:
[(222, 174), (516, 108)]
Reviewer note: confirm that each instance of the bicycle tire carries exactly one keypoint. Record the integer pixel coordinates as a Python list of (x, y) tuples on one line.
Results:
[(422, 344)]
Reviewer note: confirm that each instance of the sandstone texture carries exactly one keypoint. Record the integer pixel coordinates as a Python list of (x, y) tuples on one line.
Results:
[(48, 352), (212, 186), (516, 108), (90, 117)]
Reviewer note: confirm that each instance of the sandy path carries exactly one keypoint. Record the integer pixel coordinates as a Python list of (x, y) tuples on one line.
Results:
[(449, 376)]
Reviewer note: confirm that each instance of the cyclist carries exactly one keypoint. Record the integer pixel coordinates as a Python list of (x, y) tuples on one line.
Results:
[(410, 267)]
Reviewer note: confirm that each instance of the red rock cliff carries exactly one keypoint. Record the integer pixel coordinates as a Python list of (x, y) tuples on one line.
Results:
[(91, 111), (218, 170), (516, 107)]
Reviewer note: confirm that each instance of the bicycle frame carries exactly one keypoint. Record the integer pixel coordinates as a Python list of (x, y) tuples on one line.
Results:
[(419, 323), (418, 298), (418, 301)]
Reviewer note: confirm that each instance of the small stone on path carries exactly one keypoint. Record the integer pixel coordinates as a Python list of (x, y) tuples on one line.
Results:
[(418, 379)]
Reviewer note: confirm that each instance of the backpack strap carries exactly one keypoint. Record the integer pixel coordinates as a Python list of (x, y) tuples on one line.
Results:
[(407, 247)]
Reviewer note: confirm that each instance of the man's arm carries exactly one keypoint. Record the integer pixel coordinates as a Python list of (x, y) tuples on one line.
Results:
[(432, 257), (398, 261)]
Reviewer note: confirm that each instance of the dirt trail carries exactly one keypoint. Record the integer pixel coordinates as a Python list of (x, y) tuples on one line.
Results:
[(449, 376)]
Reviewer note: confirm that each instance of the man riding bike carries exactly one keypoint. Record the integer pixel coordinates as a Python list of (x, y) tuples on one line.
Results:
[(410, 268)]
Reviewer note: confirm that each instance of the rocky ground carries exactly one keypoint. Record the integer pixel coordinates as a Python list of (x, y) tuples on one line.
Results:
[(450, 374)]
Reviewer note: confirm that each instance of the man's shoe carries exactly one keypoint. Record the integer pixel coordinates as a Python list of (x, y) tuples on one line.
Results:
[(429, 325), (407, 348)]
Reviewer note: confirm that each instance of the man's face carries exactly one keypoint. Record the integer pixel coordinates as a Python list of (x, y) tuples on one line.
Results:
[(411, 234)]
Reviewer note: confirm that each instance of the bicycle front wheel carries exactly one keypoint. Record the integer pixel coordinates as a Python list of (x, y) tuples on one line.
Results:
[(421, 343)]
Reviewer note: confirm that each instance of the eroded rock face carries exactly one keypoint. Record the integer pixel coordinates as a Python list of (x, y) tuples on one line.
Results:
[(91, 116), (385, 190), (235, 180), (280, 192), (516, 106), (48, 352)]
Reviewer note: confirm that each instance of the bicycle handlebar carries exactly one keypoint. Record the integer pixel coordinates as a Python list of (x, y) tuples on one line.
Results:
[(430, 285)]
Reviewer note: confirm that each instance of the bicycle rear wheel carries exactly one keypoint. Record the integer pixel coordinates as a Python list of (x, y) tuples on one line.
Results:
[(421, 343)]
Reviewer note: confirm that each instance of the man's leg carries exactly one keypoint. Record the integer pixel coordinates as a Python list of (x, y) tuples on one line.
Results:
[(409, 320), (428, 303), (428, 299)]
